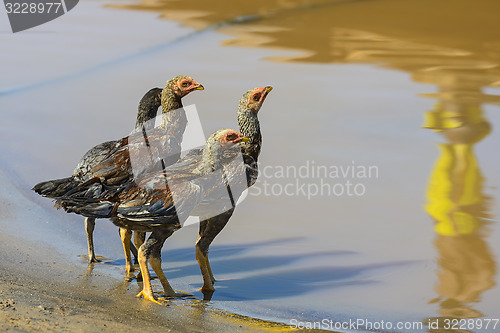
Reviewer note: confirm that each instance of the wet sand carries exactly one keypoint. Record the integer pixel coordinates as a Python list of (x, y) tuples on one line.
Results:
[(37, 295), (42, 291)]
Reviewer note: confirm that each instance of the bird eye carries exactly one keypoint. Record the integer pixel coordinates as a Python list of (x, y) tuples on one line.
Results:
[(185, 84), (230, 137), (256, 97)]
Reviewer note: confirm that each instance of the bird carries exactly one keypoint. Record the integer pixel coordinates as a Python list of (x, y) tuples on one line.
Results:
[(214, 212), (211, 226), (145, 151), (156, 201), (169, 98)]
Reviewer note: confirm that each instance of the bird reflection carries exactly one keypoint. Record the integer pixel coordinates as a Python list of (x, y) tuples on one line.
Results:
[(457, 204)]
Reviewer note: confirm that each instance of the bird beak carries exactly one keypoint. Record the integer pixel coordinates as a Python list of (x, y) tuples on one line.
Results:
[(245, 139), (199, 87), (268, 89)]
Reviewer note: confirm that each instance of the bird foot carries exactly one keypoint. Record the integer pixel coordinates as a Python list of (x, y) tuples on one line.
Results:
[(148, 296), (207, 288), (207, 294), (93, 259), (129, 276), (129, 269)]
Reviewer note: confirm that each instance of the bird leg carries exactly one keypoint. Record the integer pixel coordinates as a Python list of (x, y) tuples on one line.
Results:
[(209, 229), (202, 258), (208, 280), (155, 261), (151, 251), (126, 236), (139, 239), (147, 290), (133, 249), (89, 229)]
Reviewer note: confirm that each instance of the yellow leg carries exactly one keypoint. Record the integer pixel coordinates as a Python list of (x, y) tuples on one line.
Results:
[(208, 284), (147, 290), (156, 266), (89, 230), (210, 270), (126, 236), (139, 238), (209, 229)]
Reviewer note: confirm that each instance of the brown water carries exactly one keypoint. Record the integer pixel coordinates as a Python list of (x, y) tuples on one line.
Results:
[(377, 198)]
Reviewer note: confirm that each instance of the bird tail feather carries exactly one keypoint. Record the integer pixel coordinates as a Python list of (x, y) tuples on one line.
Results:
[(55, 188)]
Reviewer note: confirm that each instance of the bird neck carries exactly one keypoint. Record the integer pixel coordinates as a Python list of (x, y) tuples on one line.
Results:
[(211, 159), (146, 115), (249, 125), (169, 102), (173, 115), (174, 122)]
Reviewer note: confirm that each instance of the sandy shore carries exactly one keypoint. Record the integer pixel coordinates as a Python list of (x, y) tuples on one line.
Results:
[(42, 289), (33, 300)]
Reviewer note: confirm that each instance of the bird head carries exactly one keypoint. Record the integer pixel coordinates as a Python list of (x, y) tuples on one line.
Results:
[(218, 143), (229, 137), (253, 99), (183, 85)]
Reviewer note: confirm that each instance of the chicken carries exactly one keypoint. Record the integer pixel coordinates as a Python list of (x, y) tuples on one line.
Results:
[(210, 227), (214, 211), (169, 98), (157, 201)]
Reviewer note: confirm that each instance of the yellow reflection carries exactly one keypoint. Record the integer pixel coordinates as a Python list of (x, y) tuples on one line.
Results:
[(459, 208)]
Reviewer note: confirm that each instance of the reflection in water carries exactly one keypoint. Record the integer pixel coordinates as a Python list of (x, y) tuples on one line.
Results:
[(332, 31), (456, 202)]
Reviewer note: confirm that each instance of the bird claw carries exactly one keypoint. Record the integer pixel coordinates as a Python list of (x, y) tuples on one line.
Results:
[(148, 296), (93, 260), (129, 269)]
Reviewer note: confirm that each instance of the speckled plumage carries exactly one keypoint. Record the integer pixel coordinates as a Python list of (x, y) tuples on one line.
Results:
[(150, 203), (134, 154), (169, 98), (148, 107), (238, 175), (54, 188)]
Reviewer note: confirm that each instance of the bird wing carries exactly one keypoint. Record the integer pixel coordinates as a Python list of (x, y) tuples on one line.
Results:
[(137, 154), (94, 156), (159, 202)]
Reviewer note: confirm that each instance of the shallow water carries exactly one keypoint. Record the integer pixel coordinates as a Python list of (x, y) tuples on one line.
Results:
[(406, 94)]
